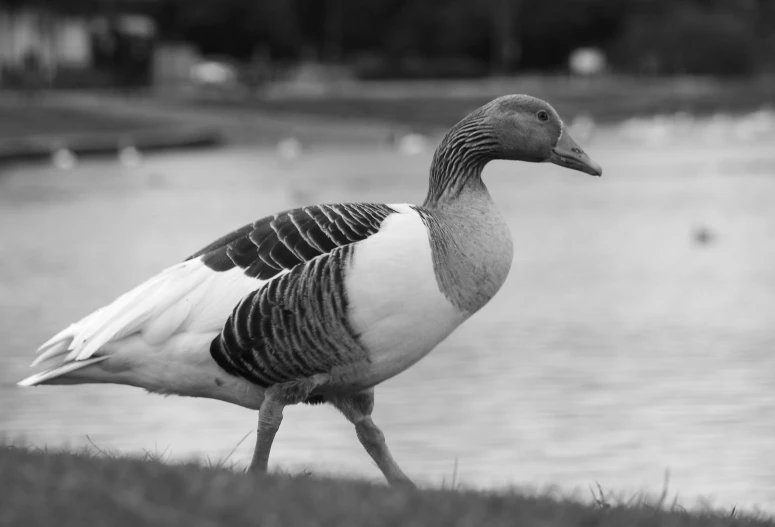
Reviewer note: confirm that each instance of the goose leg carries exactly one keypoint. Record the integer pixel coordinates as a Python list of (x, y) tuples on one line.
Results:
[(357, 409), (270, 415)]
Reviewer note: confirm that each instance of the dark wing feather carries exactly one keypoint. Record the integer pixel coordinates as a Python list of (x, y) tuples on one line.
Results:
[(296, 325), (275, 243)]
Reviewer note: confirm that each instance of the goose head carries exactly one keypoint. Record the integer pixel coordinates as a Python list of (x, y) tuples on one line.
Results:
[(529, 129), (512, 127)]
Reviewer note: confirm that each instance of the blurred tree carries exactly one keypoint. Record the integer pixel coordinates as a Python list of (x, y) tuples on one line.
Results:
[(442, 27), (502, 35), (507, 48), (334, 19), (552, 29), (234, 27), (80, 6), (366, 25), (687, 38)]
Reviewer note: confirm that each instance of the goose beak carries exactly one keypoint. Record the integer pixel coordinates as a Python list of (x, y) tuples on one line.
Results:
[(568, 154)]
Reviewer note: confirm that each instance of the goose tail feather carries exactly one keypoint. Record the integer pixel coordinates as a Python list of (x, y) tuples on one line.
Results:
[(56, 349), (57, 371)]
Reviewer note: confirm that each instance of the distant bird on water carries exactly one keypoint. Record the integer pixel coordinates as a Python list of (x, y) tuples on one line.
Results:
[(320, 304)]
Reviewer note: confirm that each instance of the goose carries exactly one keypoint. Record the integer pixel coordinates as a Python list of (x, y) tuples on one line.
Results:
[(320, 304)]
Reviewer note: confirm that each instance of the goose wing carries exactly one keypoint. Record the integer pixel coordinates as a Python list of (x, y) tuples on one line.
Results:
[(199, 294)]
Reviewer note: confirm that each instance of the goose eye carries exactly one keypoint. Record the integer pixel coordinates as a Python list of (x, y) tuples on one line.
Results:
[(543, 116)]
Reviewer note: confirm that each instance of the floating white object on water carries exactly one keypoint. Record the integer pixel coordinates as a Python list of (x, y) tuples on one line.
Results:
[(130, 156), (64, 158), (289, 149), (412, 144)]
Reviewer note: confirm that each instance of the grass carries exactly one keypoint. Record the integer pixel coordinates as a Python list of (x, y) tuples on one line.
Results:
[(22, 118), (42, 487)]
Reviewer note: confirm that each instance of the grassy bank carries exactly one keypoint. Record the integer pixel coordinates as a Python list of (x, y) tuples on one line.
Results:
[(63, 489), (332, 116), (431, 105), (23, 117), (31, 128)]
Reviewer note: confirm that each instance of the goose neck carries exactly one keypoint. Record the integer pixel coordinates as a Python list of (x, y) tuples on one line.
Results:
[(458, 162)]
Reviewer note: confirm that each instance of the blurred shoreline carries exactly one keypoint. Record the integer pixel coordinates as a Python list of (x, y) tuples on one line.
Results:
[(354, 113)]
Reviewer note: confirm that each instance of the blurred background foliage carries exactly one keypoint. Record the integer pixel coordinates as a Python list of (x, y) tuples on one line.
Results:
[(466, 38), (395, 38)]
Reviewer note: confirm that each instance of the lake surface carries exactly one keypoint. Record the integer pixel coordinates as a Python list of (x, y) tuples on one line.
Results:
[(620, 347)]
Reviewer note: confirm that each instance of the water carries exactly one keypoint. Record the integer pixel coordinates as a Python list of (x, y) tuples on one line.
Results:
[(620, 346)]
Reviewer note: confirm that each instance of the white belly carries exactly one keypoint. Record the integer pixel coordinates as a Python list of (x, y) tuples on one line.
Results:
[(395, 303)]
